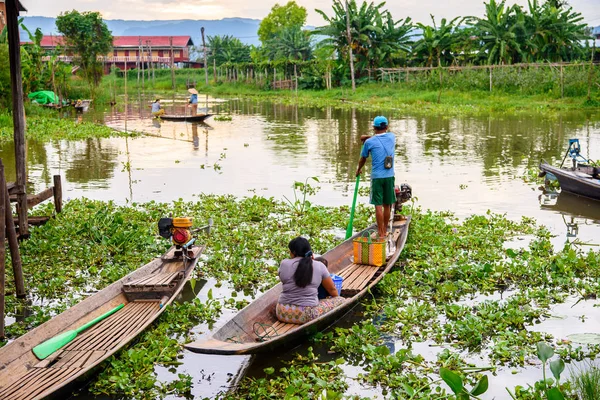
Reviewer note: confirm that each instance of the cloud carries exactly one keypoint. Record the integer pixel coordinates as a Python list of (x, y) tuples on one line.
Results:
[(418, 10)]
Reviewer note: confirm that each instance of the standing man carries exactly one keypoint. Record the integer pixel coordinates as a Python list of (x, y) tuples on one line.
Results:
[(381, 147), (193, 101)]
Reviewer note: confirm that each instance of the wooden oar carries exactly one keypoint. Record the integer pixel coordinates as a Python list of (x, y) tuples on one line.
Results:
[(351, 222), (51, 345)]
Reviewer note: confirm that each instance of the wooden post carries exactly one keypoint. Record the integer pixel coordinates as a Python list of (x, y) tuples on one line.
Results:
[(562, 83), (2, 248), (350, 46), (215, 70), (57, 192), (589, 91), (205, 59), (13, 244), (141, 52), (490, 78), (172, 63), (16, 82)]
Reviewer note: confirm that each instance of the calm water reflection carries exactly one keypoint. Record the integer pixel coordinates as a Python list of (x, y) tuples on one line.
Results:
[(467, 165)]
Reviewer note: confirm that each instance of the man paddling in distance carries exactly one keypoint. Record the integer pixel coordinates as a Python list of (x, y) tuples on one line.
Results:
[(193, 101), (380, 146)]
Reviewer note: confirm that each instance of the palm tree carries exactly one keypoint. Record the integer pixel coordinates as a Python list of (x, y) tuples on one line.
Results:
[(554, 33), (375, 36), (436, 43), (291, 44), (502, 33)]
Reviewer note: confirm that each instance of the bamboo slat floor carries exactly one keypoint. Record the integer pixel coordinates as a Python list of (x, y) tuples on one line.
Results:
[(82, 351)]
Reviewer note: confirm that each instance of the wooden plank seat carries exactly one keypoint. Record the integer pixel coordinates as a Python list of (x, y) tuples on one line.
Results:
[(265, 332), (160, 279), (83, 351), (356, 278)]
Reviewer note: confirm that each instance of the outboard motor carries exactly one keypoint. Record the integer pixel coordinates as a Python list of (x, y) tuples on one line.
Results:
[(403, 194)]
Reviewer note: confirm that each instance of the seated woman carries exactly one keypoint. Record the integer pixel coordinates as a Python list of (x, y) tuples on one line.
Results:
[(300, 276)]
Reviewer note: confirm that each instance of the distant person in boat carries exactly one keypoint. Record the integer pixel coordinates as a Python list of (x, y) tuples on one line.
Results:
[(193, 101), (157, 110), (301, 276), (381, 147)]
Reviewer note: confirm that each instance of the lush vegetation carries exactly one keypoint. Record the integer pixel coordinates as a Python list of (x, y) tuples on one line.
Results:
[(43, 125), (444, 292), (541, 32)]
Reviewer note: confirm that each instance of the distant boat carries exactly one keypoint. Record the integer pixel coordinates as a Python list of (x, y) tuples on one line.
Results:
[(583, 180), (186, 118), (82, 105)]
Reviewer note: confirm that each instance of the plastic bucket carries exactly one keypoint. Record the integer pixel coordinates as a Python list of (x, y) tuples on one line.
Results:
[(337, 281)]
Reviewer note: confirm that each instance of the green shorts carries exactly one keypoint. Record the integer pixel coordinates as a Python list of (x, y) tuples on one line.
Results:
[(382, 191)]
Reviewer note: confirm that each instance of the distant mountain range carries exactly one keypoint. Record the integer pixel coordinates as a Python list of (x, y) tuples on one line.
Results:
[(243, 28)]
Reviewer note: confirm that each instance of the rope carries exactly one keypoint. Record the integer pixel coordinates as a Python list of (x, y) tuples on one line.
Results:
[(234, 339), (266, 335)]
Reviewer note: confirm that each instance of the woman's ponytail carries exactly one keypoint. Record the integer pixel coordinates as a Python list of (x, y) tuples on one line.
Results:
[(304, 272)]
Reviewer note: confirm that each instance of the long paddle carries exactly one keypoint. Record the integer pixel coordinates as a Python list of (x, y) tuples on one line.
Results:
[(351, 222), (51, 345)]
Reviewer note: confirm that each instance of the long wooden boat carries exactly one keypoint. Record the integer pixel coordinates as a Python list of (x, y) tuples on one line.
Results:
[(582, 181), (186, 118), (145, 293), (255, 329)]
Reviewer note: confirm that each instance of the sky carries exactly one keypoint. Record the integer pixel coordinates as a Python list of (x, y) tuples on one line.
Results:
[(418, 10)]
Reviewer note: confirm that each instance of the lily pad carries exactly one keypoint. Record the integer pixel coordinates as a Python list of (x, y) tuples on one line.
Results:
[(585, 338)]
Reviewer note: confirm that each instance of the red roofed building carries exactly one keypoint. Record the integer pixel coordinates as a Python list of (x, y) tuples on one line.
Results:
[(131, 51), (3, 12)]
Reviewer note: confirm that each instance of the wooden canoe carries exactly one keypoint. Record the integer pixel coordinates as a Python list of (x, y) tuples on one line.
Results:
[(186, 118), (23, 376), (255, 329), (580, 181)]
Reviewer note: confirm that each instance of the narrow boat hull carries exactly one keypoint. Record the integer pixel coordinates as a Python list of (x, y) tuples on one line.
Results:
[(185, 118), (142, 292), (578, 182), (244, 333)]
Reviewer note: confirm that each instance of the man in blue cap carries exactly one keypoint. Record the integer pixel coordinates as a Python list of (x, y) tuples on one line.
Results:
[(381, 147)]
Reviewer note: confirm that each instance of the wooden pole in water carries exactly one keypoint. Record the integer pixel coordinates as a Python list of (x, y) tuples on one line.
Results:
[(205, 59), (13, 244), (57, 191), (2, 249), (16, 82)]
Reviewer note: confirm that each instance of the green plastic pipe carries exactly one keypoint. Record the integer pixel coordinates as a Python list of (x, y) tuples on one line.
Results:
[(351, 222)]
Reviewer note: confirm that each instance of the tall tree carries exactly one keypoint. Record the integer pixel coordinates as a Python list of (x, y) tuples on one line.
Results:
[(88, 37), (554, 32), (281, 18), (434, 47), (376, 37), (227, 49), (291, 44), (502, 33)]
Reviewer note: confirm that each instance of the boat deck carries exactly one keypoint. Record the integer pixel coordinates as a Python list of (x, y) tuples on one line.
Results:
[(81, 353)]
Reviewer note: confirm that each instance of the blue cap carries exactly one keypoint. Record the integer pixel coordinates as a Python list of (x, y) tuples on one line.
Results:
[(380, 122)]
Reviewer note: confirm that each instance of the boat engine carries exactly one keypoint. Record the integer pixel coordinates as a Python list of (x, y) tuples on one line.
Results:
[(178, 231), (403, 194)]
